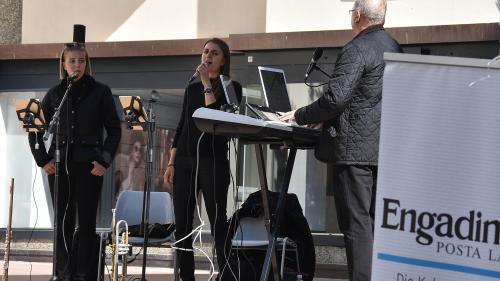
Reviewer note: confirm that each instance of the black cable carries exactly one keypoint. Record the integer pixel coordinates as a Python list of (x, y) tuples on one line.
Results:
[(191, 186), (215, 195), (314, 86), (236, 213)]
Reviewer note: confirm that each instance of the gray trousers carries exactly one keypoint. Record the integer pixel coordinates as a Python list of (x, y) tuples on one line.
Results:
[(354, 191)]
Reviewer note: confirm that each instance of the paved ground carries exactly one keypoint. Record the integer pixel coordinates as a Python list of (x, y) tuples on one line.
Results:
[(41, 271)]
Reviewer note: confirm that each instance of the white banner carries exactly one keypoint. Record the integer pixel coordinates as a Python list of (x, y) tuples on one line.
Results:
[(438, 197)]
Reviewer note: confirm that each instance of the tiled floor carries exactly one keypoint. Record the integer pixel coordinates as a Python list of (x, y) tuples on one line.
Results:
[(42, 271)]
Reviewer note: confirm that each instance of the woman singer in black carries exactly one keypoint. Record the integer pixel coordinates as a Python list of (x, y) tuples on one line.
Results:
[(213, 165)]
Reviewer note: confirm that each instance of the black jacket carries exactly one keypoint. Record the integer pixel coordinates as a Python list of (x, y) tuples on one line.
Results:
[(351, 107), (187, 135), (89, 109)]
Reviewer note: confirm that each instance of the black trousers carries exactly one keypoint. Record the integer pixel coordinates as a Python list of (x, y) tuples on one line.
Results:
[(78, 197), (354, 191), (213, 182)]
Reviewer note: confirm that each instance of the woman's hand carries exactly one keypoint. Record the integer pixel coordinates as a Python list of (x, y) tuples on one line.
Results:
[(202, 69), (168, 178), (50, 168), (98, 169)]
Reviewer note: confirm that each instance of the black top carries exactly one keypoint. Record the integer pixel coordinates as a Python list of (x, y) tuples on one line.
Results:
[(351, 107), (187, 135), (89, 109)]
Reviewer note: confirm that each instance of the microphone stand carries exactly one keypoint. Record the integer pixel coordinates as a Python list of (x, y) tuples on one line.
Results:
[(55, 123), (151, 127), (315, 67), (320, 70)]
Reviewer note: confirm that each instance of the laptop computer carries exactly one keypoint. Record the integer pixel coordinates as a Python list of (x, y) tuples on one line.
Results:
[(276, 97), (274, 87), (230, 94)]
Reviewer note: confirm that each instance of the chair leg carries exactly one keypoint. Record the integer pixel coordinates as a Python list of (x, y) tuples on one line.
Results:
[(297, 260), (175, 265), (283, 252)]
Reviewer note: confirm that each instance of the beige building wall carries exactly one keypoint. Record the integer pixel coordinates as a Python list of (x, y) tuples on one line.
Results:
[(224, 17), (51, 21), (299, 15)]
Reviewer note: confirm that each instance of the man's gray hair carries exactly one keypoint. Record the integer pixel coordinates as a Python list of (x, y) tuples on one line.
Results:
[(373, 10)]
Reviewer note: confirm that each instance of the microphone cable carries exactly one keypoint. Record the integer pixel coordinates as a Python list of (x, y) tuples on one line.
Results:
[(68, 198), (36, 217), (315, 86), (235, 191), (198, 229), (226, 263), (214, 185)]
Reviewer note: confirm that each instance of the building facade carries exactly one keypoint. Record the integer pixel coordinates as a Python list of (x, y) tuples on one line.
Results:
[(144, 45)]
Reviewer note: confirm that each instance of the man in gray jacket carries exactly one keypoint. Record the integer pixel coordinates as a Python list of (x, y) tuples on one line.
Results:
[(350, 112)]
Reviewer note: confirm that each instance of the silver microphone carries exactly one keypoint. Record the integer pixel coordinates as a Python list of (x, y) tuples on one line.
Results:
[(196, 73)]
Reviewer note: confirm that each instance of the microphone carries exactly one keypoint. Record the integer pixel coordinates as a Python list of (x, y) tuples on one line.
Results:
[(316, 56), (73, 76), (196, 73)]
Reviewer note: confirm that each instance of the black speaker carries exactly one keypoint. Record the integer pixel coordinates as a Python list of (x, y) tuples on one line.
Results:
[(79, 33)]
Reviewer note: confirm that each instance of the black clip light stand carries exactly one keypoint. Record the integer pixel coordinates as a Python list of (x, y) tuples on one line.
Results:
[(151, 127), (135, 116)]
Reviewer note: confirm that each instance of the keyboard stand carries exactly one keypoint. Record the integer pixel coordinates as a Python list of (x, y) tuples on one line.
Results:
[(271, 249), (258, 133)]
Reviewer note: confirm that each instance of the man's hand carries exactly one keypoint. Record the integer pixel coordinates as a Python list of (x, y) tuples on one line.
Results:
[(288, 116), (50, 168), (98, 169)]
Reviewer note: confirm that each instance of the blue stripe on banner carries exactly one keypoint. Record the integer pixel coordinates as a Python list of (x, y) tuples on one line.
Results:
[(439, 265)]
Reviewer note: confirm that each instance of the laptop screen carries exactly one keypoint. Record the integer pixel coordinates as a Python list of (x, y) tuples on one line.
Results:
[(229, 91), (274, 87)]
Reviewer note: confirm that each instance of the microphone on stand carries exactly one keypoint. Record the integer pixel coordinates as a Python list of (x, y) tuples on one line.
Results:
[(71, 78), (316, 56), (196, 73)]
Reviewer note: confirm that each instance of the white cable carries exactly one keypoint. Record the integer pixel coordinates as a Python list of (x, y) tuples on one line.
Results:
[(68, 199), (198, 229), (36, 220)]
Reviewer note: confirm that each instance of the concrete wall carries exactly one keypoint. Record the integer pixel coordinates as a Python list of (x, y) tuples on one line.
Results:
[(10, 21)]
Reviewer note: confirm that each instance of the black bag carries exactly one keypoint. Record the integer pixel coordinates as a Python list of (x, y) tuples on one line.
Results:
[(293, 225)]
